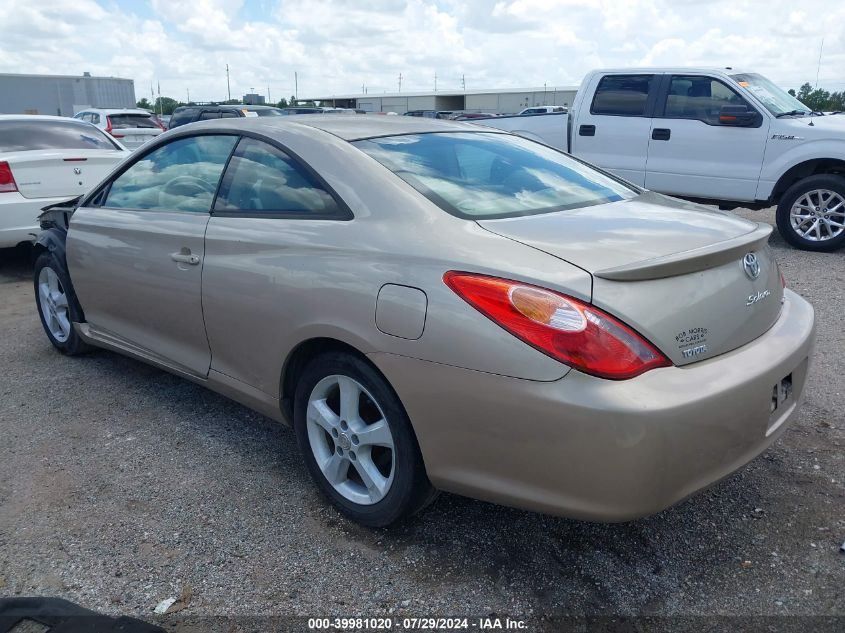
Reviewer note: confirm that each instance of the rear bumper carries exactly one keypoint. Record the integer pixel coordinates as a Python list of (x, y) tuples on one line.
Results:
[(19, 217), (598, 449)]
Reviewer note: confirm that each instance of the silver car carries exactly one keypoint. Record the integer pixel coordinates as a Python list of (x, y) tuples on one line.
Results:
[(438, 306)]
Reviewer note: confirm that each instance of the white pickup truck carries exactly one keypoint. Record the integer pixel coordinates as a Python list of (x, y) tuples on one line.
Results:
[(718, 136)]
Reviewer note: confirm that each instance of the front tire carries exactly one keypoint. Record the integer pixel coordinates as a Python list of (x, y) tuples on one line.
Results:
[(357, 441), (811, 213), (57, 305)]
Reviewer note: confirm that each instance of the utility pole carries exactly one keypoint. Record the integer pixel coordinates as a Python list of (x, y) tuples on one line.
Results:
[(189, 95), (269, 100), (400, 82), (463, 82), (295, 86), (435, 81), (228, 87)]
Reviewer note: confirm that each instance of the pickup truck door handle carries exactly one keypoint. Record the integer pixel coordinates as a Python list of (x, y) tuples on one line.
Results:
[(661, 134), (587, 130), (185, 256)]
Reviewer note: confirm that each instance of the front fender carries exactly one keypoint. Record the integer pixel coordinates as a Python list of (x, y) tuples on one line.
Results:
[(778, 163), (53, 240)]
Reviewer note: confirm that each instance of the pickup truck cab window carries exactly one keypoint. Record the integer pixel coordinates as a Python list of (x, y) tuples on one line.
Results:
[(622, 95), (699, 97), (179, 176)]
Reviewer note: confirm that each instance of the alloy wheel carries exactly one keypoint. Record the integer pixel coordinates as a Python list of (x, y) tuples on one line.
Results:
[(818, 215), (351, 440), (53, 304)]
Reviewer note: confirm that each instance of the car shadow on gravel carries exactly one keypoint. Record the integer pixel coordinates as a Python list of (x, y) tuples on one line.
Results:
[(15, 264)]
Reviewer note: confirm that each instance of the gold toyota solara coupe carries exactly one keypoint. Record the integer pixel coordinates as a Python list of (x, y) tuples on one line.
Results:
[(438, 306)]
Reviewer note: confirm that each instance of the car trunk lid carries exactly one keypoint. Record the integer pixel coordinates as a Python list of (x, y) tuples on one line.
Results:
[(674, 271), (50, 174)]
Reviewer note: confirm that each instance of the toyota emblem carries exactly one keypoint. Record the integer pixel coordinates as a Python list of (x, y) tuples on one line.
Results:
[(77, 170), (751, 265)]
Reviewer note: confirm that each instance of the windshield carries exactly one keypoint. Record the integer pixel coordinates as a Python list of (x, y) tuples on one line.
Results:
[(775, 99), (479, 175)]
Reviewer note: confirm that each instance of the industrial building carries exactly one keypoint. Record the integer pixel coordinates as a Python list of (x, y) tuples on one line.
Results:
[(252, 98), (502, 101), (63, 95)]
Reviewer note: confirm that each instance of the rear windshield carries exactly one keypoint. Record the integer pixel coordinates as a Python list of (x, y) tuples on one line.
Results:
[(486, 175), (122, 121), (18, 136)]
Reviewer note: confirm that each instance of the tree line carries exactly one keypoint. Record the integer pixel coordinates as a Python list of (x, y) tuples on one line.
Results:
[(819, 99)]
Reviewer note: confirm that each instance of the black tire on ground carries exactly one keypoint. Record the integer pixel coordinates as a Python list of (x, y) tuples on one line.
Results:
[(829, 182), (73, 345), (410, 490)]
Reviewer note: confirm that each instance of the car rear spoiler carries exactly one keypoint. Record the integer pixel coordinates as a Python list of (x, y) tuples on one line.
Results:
[(690, 261)]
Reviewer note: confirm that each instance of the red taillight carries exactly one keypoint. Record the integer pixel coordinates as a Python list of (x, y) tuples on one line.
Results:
[(109, 128), (7, 180), (568, 330)]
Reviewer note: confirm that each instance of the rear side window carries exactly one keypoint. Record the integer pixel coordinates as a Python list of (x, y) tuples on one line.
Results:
[(622, 95), (208, 115), (701, 98), (123, 121), (228, 114), (17, 136), (180, 176), (262, 179)]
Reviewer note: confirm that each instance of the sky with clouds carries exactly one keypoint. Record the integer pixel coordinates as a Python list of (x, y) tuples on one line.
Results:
[(338, 46)]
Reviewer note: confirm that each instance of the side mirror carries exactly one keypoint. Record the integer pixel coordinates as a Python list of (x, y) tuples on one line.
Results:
[(738, 116)]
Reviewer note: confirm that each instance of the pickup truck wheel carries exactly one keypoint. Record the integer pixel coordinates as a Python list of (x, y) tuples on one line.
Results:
[(357, 441), (57, 305), (811, 214)]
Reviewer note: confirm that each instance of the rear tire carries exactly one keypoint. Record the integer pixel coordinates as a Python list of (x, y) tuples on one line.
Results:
[(809, 212), (57, 305), (357, 441)]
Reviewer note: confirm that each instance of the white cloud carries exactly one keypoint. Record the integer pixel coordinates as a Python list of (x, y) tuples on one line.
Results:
[(336, 46)]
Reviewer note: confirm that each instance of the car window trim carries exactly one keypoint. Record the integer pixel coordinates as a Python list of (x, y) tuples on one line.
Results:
[(344, 211), (105, 189), (663, 97)]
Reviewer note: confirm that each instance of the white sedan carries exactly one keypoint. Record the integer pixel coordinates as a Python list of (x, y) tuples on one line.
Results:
[(44, 160)]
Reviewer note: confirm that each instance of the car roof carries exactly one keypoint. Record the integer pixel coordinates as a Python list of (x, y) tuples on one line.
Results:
[(41, 117), (349, 127), (118, 111), (353, 127)]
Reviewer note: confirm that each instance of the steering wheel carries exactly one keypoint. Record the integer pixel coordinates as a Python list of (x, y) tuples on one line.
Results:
[(187, 186)]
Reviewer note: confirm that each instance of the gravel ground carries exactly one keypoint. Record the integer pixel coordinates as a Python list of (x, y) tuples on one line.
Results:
[(121, 485)]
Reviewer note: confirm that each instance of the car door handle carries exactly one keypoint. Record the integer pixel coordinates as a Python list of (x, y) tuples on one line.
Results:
[(661, 134), (587, 130), (185, 257)]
